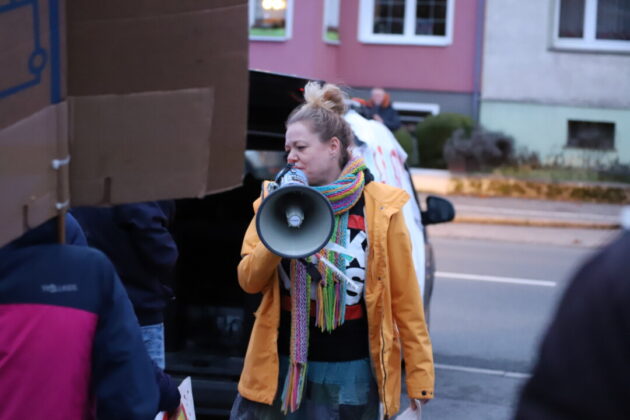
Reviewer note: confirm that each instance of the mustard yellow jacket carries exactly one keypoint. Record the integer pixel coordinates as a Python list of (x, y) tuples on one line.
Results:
[(392, 297)]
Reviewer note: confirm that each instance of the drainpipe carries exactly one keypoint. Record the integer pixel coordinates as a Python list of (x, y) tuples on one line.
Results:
[(479, 23)]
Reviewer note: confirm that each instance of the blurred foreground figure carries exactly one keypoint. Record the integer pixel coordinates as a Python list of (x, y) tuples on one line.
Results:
[(583, 371), (70, 345)]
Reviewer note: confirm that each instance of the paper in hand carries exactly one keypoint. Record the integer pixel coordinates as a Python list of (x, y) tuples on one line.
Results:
[(187, 404), (410, 414)]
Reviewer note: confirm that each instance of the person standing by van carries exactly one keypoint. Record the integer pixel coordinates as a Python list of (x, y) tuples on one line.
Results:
[(137, 240), (332, 348)]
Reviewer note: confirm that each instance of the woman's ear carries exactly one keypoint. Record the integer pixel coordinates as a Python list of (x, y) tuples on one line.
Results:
[(334, 145)]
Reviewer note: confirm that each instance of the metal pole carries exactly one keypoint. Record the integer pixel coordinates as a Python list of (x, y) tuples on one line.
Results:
[(61, 226)]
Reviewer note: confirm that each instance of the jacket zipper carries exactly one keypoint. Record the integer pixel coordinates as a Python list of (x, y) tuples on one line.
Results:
[(383, 370), (383, 366)]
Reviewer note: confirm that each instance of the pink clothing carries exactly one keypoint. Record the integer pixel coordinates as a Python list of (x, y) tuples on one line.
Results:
[(64, 335)]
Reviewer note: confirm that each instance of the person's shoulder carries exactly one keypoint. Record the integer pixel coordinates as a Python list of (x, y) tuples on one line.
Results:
[(385, 194), (615, 258), (604, 275), (616, 255), (81, 259)]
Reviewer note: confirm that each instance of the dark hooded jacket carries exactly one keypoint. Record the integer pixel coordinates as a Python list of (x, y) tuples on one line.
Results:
[(70, 345), (135, 237)]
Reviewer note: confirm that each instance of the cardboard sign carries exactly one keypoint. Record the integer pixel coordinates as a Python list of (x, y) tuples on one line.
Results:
[(134, 100)]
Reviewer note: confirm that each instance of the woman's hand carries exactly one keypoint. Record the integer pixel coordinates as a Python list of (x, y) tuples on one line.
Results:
[(413, 402)]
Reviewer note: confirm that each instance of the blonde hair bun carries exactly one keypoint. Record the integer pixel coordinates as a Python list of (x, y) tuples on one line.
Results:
[(328, 96)]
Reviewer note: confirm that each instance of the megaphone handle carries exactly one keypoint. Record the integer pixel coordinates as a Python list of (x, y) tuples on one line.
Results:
[(283, 172), (312, 270)]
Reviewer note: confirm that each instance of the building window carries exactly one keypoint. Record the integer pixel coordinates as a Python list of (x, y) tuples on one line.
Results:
[(411, 113), (591, 135), (601, 25), (270, 20), (331, 21), (413, 22)]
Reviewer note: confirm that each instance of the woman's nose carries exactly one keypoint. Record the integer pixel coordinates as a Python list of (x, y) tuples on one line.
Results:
[(291, 157)]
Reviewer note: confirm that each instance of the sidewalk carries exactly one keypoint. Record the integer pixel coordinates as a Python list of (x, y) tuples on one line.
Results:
[(443, 182), (532, 221), (532, 212)]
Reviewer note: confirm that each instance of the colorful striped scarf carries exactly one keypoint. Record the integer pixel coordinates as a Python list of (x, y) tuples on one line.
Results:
[(331, 291)]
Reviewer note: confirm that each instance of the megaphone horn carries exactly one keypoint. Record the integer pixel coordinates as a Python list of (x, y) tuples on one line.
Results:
[(295, 220)]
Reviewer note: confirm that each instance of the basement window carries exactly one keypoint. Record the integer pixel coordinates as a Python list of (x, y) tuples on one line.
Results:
[(591, 135)]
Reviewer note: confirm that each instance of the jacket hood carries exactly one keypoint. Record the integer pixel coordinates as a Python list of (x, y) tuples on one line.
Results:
[(46, 234)]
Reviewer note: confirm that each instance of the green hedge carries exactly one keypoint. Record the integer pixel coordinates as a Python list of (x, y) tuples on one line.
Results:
[(406, 140), (432, 133)]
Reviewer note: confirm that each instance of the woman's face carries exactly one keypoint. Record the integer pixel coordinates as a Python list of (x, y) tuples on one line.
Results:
[(305, 151)]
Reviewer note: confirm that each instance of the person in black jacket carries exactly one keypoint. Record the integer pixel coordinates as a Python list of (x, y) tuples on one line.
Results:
[(379, 108), (136, 239), (583, 370)]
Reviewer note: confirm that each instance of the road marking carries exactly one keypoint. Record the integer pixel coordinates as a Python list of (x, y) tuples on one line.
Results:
[(565, 214), (493, 372), (495, 279)]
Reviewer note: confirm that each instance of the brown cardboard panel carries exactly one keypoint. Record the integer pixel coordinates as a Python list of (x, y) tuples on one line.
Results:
[(140, 147), (229, 131), (166, 52), (111, 9), (159, 106), (27, 59), (169, 52), (28, 182)]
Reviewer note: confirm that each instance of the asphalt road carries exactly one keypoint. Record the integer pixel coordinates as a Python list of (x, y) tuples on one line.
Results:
[(492, 301)]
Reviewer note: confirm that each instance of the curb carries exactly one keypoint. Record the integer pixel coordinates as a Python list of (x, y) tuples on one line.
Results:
[(535, 223), (443, 182)]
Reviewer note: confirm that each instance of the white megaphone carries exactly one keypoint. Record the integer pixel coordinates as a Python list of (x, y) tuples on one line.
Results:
[(294, 220)]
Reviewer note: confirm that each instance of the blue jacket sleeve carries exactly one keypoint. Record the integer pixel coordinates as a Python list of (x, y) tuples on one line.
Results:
[(147, 224), (123, 377), (169, 394)]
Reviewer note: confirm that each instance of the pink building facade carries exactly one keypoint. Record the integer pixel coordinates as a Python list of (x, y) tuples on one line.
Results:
[(432, 73)]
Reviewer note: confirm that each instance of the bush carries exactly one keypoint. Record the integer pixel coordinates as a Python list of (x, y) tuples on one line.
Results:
[(406, 140), (482, 150), (432, 134)]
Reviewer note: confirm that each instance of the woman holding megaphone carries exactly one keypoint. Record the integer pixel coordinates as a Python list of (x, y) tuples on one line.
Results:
[(327, 339)]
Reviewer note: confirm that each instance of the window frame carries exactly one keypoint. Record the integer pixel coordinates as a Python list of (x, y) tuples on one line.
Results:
[(288, 30), (366, 25), (329, 41), (613, 147), (589, 41), (422, 107)]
